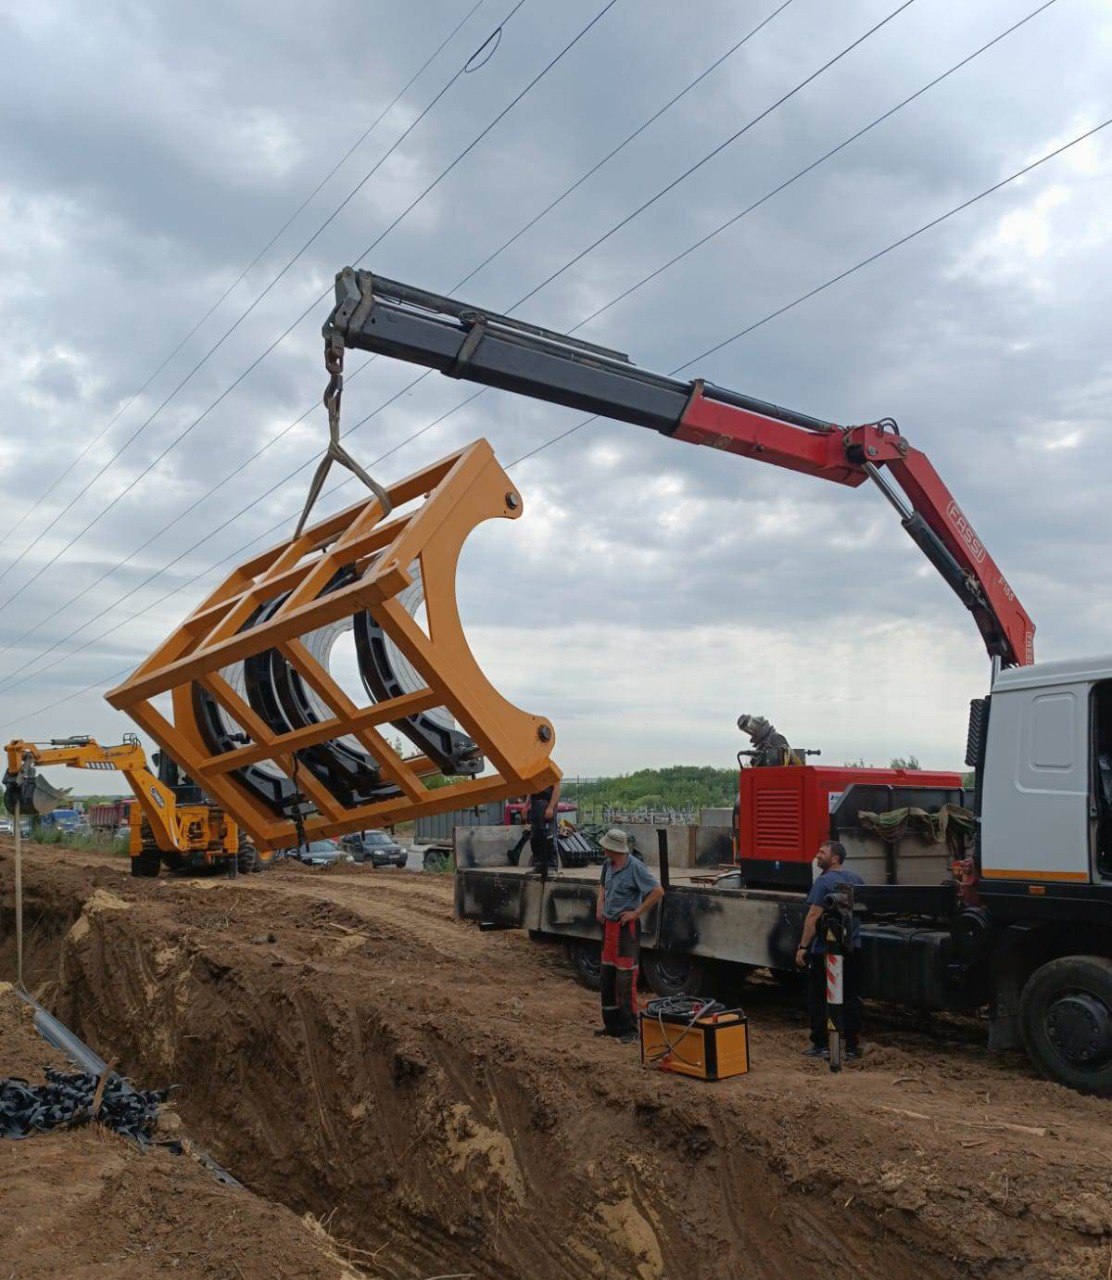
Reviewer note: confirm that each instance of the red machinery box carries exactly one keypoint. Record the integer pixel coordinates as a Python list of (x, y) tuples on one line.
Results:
[(785, 813)]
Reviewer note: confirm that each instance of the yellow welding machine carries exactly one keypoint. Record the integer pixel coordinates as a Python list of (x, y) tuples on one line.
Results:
[(711, 1048)]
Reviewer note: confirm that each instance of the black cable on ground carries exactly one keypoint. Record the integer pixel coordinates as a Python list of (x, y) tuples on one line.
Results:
[(70, 1099)]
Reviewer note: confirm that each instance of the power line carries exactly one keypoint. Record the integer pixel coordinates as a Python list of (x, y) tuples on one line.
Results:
[(808, 168), (471, 145), (711, 154), (274, 439), (849, 271), (623, 144), (215, 347), (11, 683), (802, 173), (836, 279), (499, 117), (412, 205), (239, 279)]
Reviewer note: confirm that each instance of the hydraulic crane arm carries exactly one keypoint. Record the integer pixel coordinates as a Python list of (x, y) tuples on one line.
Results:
[(463, 341), (156, 800)]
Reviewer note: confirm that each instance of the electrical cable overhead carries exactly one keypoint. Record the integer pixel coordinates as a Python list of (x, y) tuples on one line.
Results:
[(623, 144), (474, 271), (827, 155), (232, 555), (583, 31), (716, 151), (240, 278), (7, 680), (412, 205), (849, 271), (830, 283), (218, 344)]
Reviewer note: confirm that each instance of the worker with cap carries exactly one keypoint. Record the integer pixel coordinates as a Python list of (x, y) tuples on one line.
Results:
[(627, 891)]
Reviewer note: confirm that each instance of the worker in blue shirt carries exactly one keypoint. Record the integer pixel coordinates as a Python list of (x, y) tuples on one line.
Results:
[(810, 955), (627, 890)]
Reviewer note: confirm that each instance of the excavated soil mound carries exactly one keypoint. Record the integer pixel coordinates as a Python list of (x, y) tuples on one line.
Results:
[(347, 1049)]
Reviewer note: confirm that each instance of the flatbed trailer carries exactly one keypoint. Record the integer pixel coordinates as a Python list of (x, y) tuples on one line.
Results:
[(709, 926)]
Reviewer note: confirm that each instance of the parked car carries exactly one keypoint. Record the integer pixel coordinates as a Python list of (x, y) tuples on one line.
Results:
[(375, 847), (320, 853), (7, 827)]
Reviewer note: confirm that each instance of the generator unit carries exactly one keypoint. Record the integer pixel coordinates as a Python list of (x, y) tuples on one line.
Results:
[(786, 811)]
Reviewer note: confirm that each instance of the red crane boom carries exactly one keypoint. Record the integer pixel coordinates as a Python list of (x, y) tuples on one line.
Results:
[(463, 341)]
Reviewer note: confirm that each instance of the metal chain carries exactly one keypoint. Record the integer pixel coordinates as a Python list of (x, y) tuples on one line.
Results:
[(334, 364)]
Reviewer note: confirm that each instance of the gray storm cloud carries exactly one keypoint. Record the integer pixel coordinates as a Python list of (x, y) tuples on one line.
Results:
[(651, 589)]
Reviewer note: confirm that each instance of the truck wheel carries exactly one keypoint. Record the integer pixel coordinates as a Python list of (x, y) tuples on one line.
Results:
[(247, 859), (673, 975), (1065, 1018), (586, 959), (149, 859), (146, 864)]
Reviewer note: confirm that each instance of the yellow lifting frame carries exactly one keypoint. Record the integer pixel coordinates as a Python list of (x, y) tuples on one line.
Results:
[(455, 495)]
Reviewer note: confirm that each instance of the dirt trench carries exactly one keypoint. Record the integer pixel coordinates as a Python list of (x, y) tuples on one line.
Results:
[(434, 1094)]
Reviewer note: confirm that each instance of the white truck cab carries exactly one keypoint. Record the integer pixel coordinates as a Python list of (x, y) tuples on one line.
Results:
[(1046, 785)]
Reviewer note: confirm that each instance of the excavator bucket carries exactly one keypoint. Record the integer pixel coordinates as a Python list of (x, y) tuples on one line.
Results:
[(260, 715), (31, 791)]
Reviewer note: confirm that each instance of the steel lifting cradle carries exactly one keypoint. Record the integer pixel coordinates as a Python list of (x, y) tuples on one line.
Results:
[(257, 718)]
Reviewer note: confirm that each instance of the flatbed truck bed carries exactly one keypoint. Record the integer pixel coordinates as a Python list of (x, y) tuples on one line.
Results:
[(706, 925)]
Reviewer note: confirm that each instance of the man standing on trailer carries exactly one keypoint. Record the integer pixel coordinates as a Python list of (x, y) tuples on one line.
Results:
[(542, 809), (811, 955), (627, 890)]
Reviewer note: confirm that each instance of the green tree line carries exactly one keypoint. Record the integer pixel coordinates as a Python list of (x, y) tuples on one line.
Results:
[(677, 786)]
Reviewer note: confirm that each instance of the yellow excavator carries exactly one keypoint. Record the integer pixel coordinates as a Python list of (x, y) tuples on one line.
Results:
[(172, 824)]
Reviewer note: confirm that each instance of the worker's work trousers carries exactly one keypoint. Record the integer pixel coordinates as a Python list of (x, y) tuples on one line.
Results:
[(851, 995), (542, 844), (621, 952)]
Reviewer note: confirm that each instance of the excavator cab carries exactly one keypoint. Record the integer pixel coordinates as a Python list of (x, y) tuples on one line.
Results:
[(185, 790)]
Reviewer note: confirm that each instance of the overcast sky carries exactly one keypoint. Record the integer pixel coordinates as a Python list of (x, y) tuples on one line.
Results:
[(652, 591)]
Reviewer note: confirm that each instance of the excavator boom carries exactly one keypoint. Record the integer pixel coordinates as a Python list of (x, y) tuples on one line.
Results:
[(463, 341)]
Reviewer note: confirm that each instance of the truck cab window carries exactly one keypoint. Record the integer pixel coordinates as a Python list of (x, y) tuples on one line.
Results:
[(1102, 760)]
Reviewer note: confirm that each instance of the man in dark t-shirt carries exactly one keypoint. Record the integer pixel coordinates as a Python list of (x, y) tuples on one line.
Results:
[(542, 825), (811, 955)]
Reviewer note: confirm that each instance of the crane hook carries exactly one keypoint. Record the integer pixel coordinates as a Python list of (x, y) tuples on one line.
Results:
[(334, 364)]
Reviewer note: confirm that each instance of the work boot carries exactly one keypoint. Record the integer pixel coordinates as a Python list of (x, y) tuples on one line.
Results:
[(853, 1051), (816, 1051)]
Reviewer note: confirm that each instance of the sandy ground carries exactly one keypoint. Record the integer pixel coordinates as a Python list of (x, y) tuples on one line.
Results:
[(349, 1050)]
